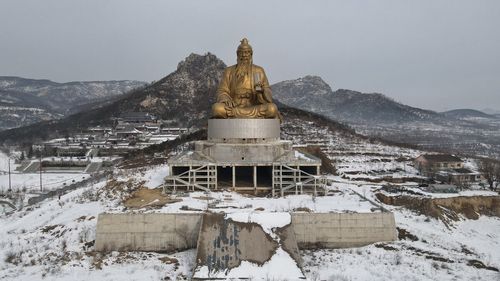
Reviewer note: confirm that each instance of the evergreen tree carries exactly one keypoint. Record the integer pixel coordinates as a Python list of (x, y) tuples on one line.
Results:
[(30, 152)]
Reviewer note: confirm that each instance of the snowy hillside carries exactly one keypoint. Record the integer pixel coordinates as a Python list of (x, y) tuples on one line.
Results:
[(54, 239), (59, 95), (313, 94), (457, 131)]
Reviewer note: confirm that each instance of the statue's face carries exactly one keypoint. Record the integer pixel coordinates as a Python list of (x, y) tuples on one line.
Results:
[(244, 55)]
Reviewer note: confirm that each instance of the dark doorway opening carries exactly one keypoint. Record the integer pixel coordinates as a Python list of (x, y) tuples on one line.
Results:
[(224, 176), (244, 176), (264, 176)]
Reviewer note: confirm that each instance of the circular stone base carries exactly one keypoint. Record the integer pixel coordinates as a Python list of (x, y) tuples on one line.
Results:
[(226, 129)]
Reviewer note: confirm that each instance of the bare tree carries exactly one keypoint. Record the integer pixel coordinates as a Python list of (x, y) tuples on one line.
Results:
[(497, 177), (490, 170)]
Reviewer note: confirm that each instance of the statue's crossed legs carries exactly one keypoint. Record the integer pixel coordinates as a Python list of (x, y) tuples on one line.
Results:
[(267, 110)]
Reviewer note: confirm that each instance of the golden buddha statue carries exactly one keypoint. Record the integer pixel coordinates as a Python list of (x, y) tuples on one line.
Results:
[(244, 90)]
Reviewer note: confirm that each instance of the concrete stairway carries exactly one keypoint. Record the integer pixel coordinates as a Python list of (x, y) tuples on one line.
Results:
[(33, 167), (93, 167), (23, 166), (93, 152)]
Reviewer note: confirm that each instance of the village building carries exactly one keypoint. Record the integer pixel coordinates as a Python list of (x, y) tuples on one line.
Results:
[(459, 177), (429, 164), (173, 130), (137, 117), (445, 168), (128, 132), (131, 131)]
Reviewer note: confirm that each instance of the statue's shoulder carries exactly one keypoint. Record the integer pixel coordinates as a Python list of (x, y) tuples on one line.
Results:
[(229, 70), (258, 68)]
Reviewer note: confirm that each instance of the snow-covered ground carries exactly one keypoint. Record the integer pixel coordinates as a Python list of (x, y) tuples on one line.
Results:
[(229, 202), (152, 177), (4, 164), (53, 240), (475, 192), (439, 254), (30, 182)]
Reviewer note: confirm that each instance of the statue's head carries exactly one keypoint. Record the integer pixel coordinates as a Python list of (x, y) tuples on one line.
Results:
[(244, 52)]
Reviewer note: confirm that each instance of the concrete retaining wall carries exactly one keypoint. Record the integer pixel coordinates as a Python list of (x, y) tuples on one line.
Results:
[(147, 232), (330, 230), (171, 232)]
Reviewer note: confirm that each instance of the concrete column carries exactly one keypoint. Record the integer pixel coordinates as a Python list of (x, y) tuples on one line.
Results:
[(234, 177), (255, 179), (272, 181), (191, 179)]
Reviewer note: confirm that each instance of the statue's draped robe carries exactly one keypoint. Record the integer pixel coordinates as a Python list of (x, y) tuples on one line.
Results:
[(241, 91)]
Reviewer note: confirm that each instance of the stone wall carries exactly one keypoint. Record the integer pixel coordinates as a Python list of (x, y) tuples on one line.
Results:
[(172, 232), (147, 232), (339, 230)]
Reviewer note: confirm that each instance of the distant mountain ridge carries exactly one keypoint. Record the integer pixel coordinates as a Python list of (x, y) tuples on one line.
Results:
[(313, 94), (490, 111), (59, 95), (468, 114), (187, 94), (458, 131), (24, 101)]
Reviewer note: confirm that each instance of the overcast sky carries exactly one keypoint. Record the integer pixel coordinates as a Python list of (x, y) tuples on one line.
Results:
[(432, 54)]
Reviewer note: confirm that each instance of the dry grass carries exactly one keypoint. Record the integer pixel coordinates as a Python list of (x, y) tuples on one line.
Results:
[(148, 198), (169, 260), (302, 209)]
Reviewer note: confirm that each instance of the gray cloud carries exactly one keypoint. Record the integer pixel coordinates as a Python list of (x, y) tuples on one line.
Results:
[(431, 54)]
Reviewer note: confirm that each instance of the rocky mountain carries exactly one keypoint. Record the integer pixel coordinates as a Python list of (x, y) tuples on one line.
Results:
[(26, 101), (467, 114), (460, 131), (313, 94), (490, 111), (58, 96), (186, 96)]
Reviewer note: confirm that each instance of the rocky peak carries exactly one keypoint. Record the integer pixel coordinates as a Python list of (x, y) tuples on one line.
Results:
[(316, 82), (195, 63), (185, 95), (313, 85)]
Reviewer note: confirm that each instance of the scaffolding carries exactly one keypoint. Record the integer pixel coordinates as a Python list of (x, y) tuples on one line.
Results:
[(195, 178), (289, 180), (284, 179)]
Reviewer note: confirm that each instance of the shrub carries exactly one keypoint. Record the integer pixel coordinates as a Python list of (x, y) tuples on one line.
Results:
[(13, 258)]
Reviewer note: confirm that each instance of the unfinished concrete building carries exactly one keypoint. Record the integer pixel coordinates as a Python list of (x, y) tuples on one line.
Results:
[(245, 155)]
